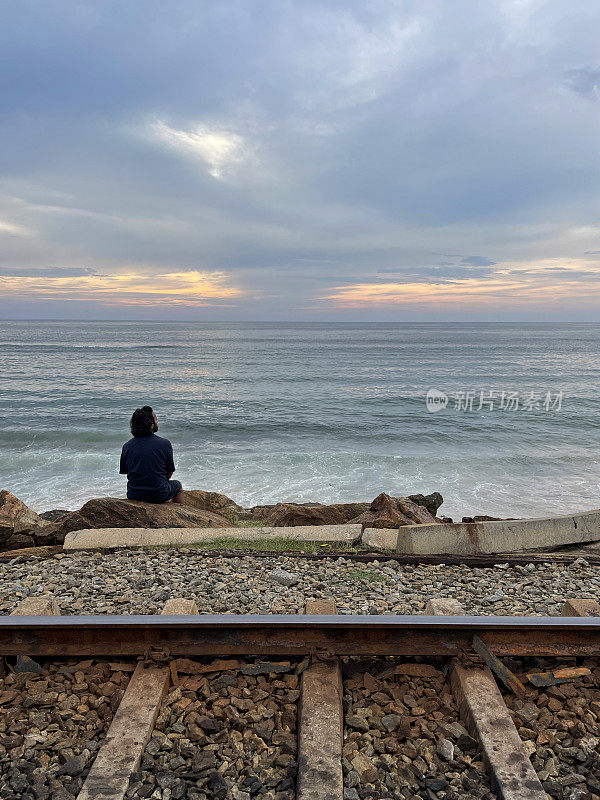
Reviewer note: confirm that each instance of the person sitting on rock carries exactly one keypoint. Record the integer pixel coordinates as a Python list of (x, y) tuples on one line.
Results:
[(147, 460)]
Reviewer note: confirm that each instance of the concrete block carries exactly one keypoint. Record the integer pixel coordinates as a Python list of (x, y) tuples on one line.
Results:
[(580, 607), (382, 538), (43, 605), (320, 607), (107, 538), (504, 536), (179, 605), (443, 606)]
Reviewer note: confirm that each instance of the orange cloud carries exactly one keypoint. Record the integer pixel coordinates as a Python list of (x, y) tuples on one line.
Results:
[(184, 288), (514, 286)]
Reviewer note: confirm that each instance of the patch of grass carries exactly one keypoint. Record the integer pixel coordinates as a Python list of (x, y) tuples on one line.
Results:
[(251, 523), (366, 575), (278, 544)]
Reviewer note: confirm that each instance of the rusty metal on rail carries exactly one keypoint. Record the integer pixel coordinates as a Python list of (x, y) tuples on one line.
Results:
[(291, 635), (558, 556)]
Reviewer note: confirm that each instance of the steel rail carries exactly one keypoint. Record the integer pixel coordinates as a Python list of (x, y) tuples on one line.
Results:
[(295, 635)]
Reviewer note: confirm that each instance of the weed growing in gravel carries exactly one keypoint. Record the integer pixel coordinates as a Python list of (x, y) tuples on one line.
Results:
[(366, 575), (278, 544)]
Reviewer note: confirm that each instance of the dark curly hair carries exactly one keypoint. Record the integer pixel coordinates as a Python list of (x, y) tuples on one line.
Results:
[(142, 421)]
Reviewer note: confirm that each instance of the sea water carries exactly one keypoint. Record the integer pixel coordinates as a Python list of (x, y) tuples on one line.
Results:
[(309, 411)]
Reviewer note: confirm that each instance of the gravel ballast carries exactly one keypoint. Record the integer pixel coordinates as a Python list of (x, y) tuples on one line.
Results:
[(225, 735), (561, 730), (139, 582), (403, 738), (51, 726)]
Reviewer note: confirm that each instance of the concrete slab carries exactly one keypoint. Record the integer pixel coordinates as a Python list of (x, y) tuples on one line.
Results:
[(320, 725), (106, 538), (382, 538), (131, 728), (484, 710), (504, 536)]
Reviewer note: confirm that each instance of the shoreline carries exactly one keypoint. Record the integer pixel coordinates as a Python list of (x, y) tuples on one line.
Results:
[(211, 521), (20, 526)]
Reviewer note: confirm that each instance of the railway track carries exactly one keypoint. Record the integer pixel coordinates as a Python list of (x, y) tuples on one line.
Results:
[(316, 706), (559, 556)]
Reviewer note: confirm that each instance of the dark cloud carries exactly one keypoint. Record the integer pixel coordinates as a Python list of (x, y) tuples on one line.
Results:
[(478, 261), (570, 274), (584, 81), (437, 272), (49, 272)]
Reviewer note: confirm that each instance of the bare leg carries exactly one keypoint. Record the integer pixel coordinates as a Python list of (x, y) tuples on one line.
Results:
[(179, 497)]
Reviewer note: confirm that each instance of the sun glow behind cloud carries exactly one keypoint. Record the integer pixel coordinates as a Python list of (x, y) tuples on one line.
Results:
[(13, 228), (220, 150), (183, 288)]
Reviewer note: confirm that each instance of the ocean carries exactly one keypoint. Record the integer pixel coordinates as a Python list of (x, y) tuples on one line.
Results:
[(309, 411)]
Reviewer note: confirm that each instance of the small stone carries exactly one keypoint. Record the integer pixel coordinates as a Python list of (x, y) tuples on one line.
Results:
[(454, 730), (466, 743), (445, 749), (217, 785), (153, 746), (26, 664), (209, 725), (436, 784), (73, 766), (283, 577), (528, 713), (364, 767), (356, 722), (390, 722), (352, 778)]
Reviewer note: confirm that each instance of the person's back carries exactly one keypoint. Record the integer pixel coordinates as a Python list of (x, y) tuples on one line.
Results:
[(147, 460)]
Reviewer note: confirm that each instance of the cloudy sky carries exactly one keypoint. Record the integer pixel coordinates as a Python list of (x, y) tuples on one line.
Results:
[(291, 159)]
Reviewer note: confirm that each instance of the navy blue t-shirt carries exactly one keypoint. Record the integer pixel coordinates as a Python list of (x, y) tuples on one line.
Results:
[(147, 460)]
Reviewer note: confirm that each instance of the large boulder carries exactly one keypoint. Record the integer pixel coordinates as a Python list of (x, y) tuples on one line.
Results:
[(290, 514), (384, 512), (212, 501), (112, 512), (391, 512), (54, 514), (18, 522), (429, 501)]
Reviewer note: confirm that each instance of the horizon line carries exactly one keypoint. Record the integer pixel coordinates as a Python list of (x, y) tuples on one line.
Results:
[(308, 321)]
